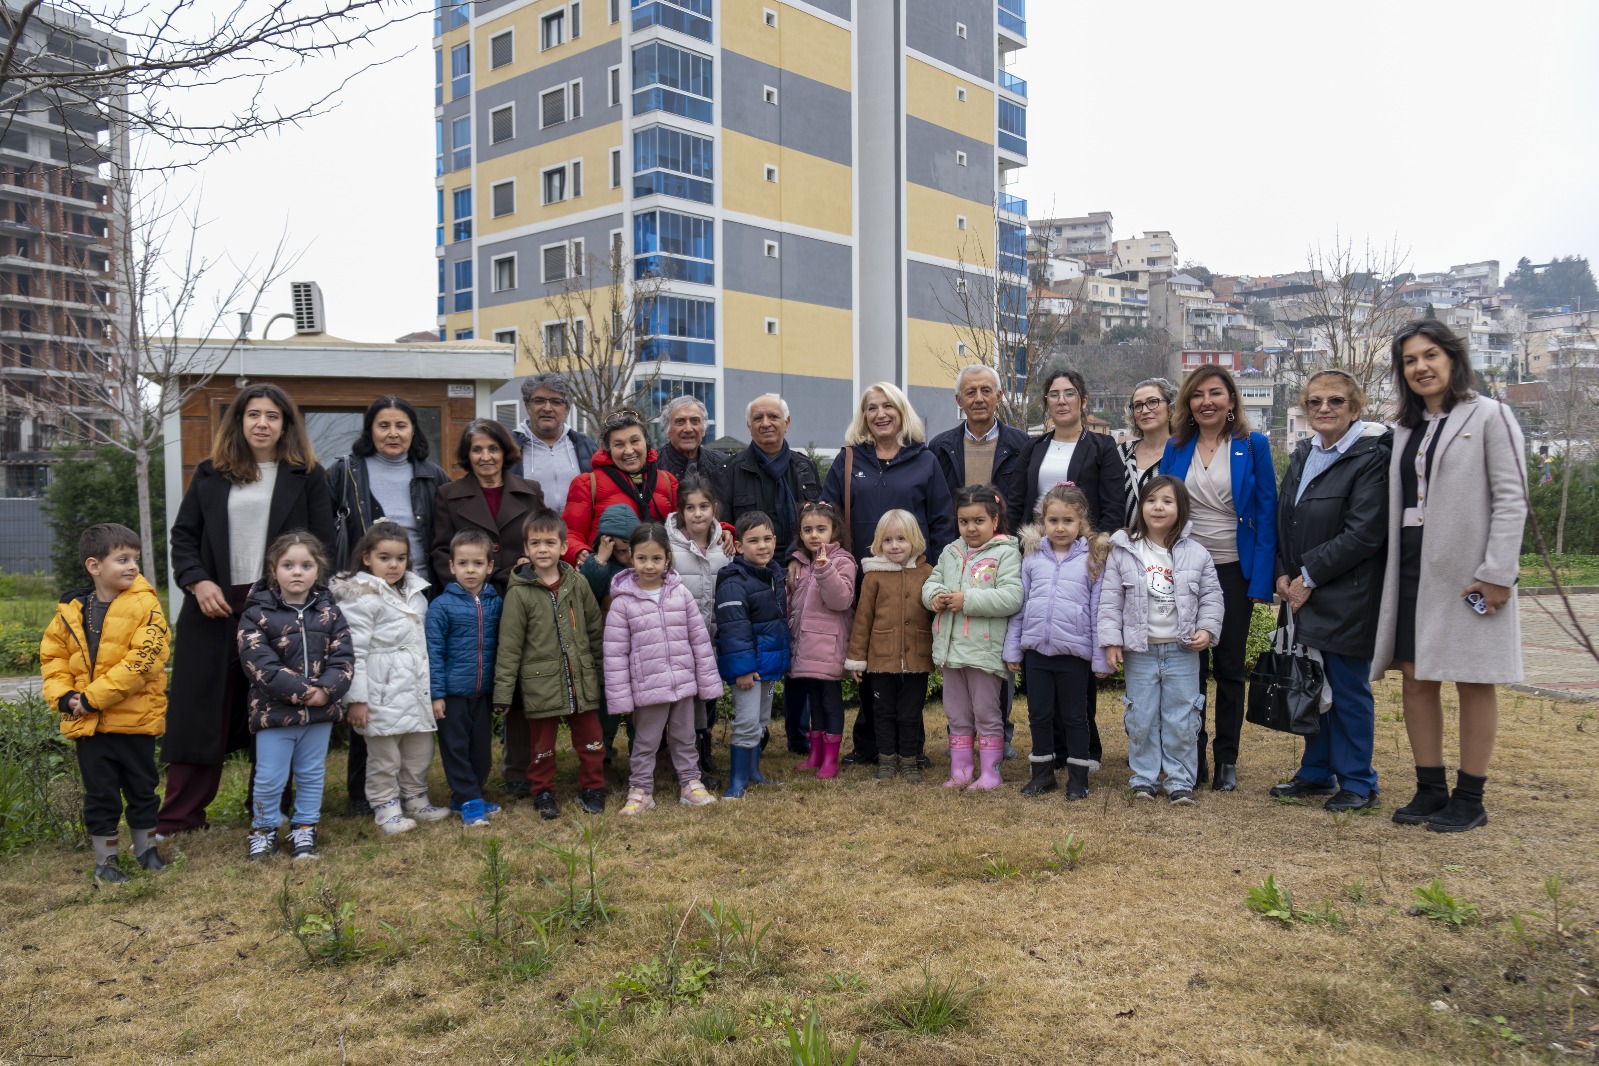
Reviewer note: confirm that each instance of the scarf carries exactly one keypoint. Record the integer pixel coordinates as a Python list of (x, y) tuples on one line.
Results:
[(776, 467)]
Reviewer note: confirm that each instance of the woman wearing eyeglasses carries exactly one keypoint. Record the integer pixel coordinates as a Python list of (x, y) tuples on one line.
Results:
[(1150, 411), (1233, 489), (1332, 529)]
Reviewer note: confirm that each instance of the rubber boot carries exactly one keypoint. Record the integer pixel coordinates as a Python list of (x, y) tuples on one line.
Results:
[(1076, 780), (739, 761), (830, 744), (709, 774), (990, 751), (813, 761), (960, 762), (1043, 776), (756, 777)]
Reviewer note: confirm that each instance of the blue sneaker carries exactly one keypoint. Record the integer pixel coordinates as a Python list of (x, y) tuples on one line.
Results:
[(473, 814), (490, 809)]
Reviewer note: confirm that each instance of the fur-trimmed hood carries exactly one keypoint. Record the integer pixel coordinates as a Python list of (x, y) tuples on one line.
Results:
[(876, 564)]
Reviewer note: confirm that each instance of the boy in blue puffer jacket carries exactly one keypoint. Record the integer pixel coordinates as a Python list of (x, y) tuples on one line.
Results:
[(463, 627), (752, 648)]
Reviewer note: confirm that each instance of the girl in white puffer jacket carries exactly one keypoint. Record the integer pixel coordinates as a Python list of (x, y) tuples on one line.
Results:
[(390, 702)]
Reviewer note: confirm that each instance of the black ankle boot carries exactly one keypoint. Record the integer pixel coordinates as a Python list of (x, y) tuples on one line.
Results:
[(1043, 777), (1464, 810), (1076, 781), (1432, 796)]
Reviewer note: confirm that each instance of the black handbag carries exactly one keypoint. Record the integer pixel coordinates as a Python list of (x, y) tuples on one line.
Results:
[(1285, 687)]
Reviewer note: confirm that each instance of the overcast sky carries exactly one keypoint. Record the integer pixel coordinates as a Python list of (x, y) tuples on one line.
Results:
[(1467, 130)]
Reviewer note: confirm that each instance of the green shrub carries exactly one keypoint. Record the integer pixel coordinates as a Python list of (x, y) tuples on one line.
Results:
[(39, 792), (19, 647), (100, 488)]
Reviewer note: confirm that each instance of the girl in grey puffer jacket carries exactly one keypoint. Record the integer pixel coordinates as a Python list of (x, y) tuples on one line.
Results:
[(1160, 607)]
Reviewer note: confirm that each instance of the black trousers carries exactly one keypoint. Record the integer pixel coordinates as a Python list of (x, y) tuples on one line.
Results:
[(466, 734), (1225, 663), (825, 700), (798, 709), (117, 767), (1091, 709), (355, 767), (864, 734), (1057, 708), (898, 702)]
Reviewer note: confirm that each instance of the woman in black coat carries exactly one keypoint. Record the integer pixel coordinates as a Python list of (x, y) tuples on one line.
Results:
[(390, 441), (1332, 535), (261, 481)]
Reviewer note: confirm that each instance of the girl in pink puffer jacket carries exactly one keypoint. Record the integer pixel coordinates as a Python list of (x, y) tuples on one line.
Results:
[(658, 660), (821, 613)]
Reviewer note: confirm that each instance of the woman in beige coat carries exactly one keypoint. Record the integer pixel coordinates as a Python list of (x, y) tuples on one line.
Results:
[(1449, 608)]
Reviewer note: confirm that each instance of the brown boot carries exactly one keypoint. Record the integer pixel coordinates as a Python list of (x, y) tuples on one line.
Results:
[(910, 770), (887, 767)]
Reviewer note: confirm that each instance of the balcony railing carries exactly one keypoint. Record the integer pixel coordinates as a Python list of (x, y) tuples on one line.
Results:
[(1012, 143), (673, 17), (1013, 16), (1011, 83), (1013, 205)]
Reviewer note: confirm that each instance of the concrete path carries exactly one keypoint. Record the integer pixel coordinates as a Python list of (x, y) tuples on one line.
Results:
[(12, 687), (1554, 660)]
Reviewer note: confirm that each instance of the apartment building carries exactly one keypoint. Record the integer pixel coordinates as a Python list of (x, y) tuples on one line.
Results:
[(801, 181), (1154, 252), (1086, 237), (60, 223)]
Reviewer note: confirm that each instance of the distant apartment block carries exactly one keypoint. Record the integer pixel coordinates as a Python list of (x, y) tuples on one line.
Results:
[(60, 224), (807, 180), (1154, 252), (1086, 237)]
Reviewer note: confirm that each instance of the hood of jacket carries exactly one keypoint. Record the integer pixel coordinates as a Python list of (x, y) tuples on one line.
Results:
[(264, 595), (625, 583), (1121, 539), (880, 565), (362, 583), (524, 575), (1033, 539)]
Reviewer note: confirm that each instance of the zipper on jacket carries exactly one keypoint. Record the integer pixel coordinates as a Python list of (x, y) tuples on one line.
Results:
[(476, 599), (305, 645)]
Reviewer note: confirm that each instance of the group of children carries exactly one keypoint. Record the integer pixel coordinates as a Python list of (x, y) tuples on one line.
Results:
[(655, 637)]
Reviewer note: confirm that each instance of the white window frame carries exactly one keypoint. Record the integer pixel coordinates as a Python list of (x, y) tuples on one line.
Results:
[(566, 188), (511, 33), (574, 20), (960, 348), (511, 107), (508, 181), (960, 93), (545, 20), (960, 159), (773, 250), (617, 246), (499, 338), (771, 173), (769, 17), (544, 334), (960, 222), (960, 30), (575, 266), (771, 327), (574, 178), (494, 273), (566, 106), (613, 86), (616, 168), (769, 94), (574, 99), (614, 12)]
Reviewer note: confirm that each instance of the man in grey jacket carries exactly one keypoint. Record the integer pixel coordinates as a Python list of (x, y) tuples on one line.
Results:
[(552, 454)]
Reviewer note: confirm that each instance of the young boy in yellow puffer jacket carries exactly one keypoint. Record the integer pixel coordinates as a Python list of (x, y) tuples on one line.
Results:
[(104, 660)]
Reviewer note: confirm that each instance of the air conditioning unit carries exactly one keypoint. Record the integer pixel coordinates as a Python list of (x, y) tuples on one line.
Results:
[(306, 298)]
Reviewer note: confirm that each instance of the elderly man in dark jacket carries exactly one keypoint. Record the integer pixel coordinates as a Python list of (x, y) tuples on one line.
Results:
[(982, 449), (770, 476), (683, 424)]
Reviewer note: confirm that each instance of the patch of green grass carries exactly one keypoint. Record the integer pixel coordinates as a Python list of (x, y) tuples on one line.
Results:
[(1573, 570)]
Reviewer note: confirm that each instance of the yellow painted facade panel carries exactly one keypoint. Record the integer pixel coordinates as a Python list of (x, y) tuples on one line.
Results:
[(811, 340), (801, 43), (932, 226), (930, 95), (592, 147), (931, 352), (809, 191)]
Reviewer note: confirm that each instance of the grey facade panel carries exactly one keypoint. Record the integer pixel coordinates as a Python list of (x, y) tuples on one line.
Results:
[(936, 406), (930, 160), (930, 292), (524, 90), (596, 236), (810, 116), (836, 8), (806, 269), (930, 29), (819, 408)]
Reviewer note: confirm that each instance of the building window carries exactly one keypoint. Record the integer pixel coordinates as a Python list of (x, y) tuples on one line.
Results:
[(562, 261), (554, 183), (461, 203), (504, 270), (502, 124), (960, 93), (576, 167), (769, 94), (616, 12), (617, 251), (672, 80), (503, 195), (689, 17), (461, 143), (616, 168), (960, 30), (960, 222), (504, 336), (577, 19), (552, 30), (460, 13), (463, 284), (438, 230), (771, 327), (670, 162), (502, 50), (460, 72), (464, 334), (960, 159), (438, 77), (960, 348), (561, 338), (771, 172), (674, 246), (769, 17), (552, 107), (771, 249), (679, 329), (613, 93), (662, 389)]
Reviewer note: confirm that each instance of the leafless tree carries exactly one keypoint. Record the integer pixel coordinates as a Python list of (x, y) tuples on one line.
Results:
[(598, 333), (1352, 309), (1573, 399), (197, 77)]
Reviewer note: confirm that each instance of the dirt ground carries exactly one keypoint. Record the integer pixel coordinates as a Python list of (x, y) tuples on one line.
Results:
[(1145, 952)]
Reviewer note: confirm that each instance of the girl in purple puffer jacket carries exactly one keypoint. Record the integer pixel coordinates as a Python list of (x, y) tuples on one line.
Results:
[(658, 660), (1055, 636), (821, 613)]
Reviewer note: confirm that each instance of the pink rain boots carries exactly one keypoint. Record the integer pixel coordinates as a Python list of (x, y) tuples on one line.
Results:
[(829, 744), (989, 752), (960, 762), (813, 761)]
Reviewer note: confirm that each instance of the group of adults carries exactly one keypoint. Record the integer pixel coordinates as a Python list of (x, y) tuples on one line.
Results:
[(1340, 541)]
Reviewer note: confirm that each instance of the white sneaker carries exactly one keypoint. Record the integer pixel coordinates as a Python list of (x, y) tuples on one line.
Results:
[(391, 819), (694, 794), (419, 808), (638, 801)]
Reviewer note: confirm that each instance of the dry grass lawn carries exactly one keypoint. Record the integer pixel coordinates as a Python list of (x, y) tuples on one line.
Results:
[(1146, 953)]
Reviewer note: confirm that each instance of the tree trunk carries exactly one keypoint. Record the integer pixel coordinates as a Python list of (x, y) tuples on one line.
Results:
[(1565, 496), (141, 478)]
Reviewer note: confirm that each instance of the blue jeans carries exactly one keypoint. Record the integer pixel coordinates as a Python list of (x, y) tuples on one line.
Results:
[(298, 749), (1165, 707), (1341, 753)]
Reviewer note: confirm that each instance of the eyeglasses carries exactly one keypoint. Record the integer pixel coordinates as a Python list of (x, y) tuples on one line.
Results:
[(1331, 403), (1060, 395), (546, 401), (1147, 405)]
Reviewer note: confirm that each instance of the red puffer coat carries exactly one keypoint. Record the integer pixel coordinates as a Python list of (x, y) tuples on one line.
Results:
[(593, 492)]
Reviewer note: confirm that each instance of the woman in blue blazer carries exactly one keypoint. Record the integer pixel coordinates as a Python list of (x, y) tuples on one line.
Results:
[(1233, 488)]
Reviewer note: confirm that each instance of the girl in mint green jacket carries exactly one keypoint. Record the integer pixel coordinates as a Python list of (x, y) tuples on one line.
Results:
[(975, 588)]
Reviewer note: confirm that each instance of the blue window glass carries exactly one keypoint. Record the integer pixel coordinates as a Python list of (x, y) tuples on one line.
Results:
[(1013, 127), (463, 284), (463, 214), (439, 235), (438, 19), (661, 390), (691, 17), (672, 163), (1012, 255), (679, 247), (438, 147), (1012, 301), (672, 80), (461, 141), (441, 274), (460, 71), (438, 75), (679, 329), (463, 335), (460, 13)]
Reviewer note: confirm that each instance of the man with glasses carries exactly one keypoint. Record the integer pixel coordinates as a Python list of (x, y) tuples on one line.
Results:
[(552, 454)]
